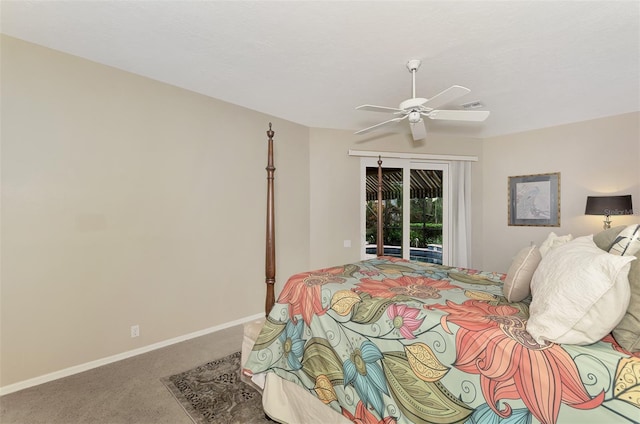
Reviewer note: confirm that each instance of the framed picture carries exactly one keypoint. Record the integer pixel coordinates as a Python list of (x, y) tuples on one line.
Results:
[(534, 200)]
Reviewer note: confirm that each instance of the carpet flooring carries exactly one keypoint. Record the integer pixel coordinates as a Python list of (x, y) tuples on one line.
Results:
[(124, 392)]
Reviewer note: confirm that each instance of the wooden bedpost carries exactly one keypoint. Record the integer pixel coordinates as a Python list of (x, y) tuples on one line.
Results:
[(270, 256), (380, 245)]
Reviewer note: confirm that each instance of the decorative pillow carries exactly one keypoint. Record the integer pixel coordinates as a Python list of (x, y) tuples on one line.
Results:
[(627, 332), (628, 241), (604, 239), (516, 285), (579, 293), (553, 241)]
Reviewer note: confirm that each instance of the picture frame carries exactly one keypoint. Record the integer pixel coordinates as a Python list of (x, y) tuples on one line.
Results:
[(534, 200)]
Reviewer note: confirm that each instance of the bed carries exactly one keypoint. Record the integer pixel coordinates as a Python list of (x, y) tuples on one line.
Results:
[(388, 340)]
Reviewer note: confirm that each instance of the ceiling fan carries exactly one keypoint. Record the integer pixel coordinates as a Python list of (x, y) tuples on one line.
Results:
[(416, 108)]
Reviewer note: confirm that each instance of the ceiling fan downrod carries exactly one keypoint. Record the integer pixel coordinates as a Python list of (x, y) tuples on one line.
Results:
[(413, 66)]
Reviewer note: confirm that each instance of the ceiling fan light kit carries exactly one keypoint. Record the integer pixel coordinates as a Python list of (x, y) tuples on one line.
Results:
[(416, 108), (414, 117)]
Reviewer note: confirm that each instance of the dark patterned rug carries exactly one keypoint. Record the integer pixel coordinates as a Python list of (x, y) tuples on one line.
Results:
[(213, 393)]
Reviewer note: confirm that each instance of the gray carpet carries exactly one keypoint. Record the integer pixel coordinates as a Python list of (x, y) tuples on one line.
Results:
[(124, 392), (213, 393)]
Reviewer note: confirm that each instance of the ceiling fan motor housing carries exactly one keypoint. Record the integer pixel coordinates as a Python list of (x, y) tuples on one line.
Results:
[(412, 104)]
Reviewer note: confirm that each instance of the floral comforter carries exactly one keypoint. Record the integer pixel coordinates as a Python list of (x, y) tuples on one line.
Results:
[(395, 341)]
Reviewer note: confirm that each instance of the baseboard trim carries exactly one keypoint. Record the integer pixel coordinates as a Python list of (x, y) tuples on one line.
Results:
[(11, 388)]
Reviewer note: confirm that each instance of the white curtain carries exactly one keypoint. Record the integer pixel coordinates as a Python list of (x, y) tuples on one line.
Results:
[(460, 175)]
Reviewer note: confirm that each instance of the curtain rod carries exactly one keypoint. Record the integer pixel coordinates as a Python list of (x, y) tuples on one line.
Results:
[(421, 156)]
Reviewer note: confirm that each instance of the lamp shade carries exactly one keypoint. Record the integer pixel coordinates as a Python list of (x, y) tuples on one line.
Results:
[(609, 205)]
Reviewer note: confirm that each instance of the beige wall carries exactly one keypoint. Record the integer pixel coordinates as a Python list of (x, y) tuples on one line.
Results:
[(335, 187), (597, 157), (128, 201)]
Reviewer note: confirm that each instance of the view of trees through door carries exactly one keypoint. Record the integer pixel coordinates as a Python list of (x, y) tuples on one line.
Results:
[(423, 237)]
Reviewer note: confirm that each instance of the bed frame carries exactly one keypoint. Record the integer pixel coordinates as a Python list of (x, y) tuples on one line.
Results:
[(465, 394), (270, 252)]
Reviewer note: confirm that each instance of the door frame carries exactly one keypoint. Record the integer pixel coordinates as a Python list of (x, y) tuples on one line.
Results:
[(406, 165)]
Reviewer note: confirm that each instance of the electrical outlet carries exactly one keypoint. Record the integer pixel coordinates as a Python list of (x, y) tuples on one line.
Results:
[(135, 330)]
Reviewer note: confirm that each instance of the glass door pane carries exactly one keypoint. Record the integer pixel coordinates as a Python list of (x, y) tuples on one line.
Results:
[(391, 211), (426, 215)]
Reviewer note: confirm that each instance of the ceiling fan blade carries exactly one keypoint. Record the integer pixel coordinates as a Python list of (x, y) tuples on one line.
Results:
[(418, 130), (459, 115), (373, 108), (362, 131), (446, 96)]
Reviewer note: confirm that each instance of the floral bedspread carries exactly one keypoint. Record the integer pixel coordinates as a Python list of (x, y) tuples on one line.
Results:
[(395, 341)]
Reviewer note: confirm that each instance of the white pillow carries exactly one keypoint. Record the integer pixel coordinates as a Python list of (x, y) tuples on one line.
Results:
[(516, 284), (627, 243), (579, 293), (553, 241)]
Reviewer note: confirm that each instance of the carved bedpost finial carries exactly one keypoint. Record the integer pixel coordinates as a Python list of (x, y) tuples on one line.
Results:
[(270, 133)]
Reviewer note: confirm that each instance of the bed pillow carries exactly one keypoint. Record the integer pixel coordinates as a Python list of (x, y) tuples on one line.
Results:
[(516, 284), (627, 332), (627, 243), (579, 293), (604, 239), (553, 240)]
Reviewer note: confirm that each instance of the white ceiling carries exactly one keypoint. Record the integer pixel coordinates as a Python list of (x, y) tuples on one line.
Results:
[(533, 64)]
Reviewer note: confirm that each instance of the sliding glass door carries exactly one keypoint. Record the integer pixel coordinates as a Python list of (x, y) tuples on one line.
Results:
[(414, 209)]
